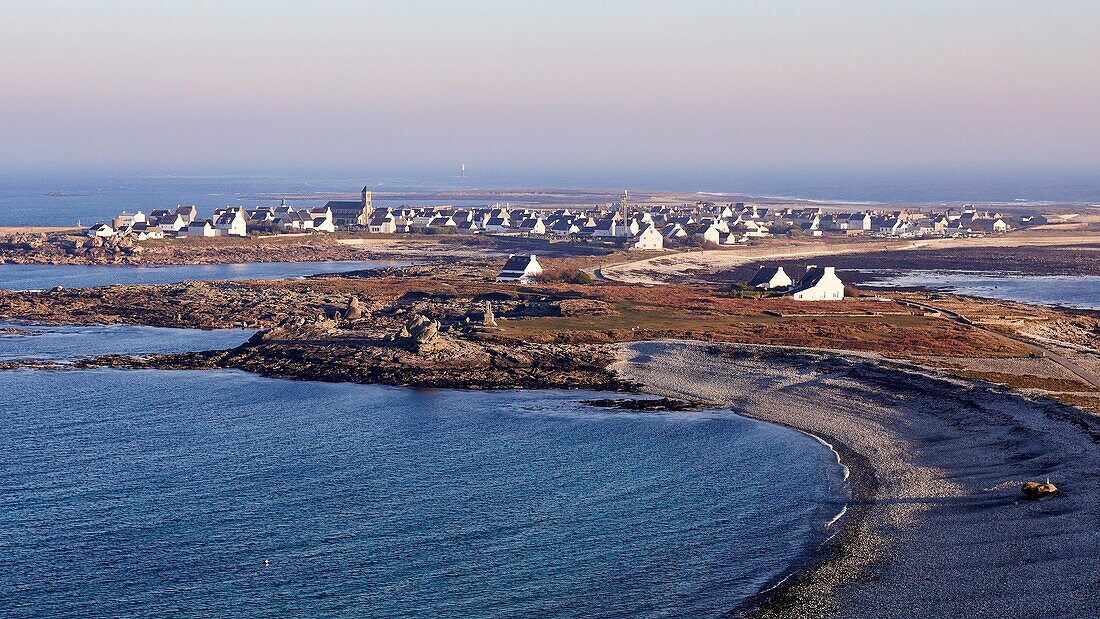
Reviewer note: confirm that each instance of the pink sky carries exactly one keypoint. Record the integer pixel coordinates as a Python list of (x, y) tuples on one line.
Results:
[(613, 84)]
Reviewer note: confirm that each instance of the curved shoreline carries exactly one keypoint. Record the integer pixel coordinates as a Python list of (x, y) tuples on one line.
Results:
[(936, 463)]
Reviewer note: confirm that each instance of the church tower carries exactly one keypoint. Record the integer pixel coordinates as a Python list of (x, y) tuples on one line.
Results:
[(368, 207)]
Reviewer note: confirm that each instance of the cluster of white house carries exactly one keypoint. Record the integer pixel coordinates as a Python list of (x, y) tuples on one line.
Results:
[(637, 226), (952, 222), (820, 283), (184, 221), (650, 227)]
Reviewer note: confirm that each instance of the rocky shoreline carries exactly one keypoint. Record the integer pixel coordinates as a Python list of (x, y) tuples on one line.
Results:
[(482, 367), (67, 248)]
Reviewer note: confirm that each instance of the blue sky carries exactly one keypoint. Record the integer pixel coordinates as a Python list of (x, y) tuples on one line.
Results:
[(234, 86)]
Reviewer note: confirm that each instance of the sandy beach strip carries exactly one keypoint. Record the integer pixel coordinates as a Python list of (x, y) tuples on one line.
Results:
[(937, 526)]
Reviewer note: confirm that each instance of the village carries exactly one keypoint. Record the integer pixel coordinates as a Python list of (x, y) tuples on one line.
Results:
[(624, 223)]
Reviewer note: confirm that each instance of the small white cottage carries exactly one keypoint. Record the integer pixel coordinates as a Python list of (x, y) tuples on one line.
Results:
[(522, 269), (770, 277), (101, 230), (819, 284), (199, 227), (232, 222), (648, 239)]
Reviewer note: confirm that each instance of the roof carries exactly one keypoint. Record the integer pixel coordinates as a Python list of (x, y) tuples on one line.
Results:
[(517, 263), (810, 279), (345, 205), (763, 276)]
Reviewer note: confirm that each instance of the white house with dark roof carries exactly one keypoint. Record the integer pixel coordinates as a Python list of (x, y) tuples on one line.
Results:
[(674, 231), (383, 224), (818, 284), (232, 222), (322, 219), (189, 213), (497, 224), (770, 277), (520, 268), (649, 238), (146, 232), (199, 227), (608, 227), (532, 225), (101, 230), (710, 234)]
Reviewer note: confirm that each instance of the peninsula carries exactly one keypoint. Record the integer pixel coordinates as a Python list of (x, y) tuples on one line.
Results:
[(940, 405)]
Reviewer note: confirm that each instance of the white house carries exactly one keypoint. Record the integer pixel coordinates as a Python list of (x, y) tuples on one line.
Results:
[(323, 220), (674, 231), (497, 224), (101, 230), (146, 232), (532, 225), (468, 227), (608, 227), (770, 277), (199, 227), (173, 222), (189, 213), (232, 222), (710, 235), (521, 269), (129, 219), (648, 239), (382, 224), (443, 224), (819, 284), (564, 227)]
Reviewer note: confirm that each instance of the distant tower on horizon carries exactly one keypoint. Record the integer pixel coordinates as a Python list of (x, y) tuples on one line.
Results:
[(462, 170)]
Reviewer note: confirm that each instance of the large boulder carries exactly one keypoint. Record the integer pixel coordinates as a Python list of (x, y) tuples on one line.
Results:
[(421, 335), (1037, 490), (354, 310)]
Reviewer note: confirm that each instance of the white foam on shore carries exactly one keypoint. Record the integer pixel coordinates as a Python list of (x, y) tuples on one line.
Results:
[(843, 467)]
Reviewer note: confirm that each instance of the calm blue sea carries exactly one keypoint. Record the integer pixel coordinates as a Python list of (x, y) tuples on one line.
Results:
[(161, 493), (45, 276), (63, 199), (72, 342)]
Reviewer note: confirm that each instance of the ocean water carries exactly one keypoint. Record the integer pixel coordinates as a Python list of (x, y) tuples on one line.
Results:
[(1077, 291), (71, 342), (149, 493), (62, 199), (46, 276)]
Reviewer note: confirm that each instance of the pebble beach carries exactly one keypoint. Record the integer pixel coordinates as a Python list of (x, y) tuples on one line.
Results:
[(937, 525)]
